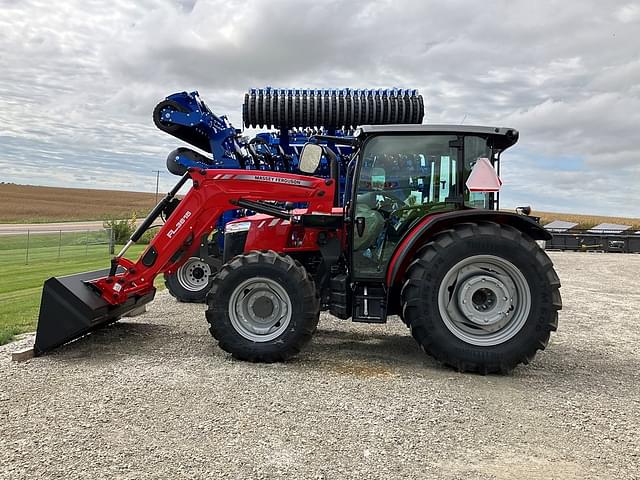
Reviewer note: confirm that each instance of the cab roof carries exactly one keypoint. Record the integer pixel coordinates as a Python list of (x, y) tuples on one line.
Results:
[(501, 137)]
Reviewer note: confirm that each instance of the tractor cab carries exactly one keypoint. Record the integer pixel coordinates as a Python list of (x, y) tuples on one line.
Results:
[(405, 173)]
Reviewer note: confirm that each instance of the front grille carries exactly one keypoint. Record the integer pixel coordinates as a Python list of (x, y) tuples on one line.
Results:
[(233, 245)]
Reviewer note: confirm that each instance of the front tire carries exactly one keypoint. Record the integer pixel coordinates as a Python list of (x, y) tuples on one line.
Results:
[(262, 307), (191, 282), (481, 298)]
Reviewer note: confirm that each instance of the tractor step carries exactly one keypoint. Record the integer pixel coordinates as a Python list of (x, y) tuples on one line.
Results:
[(370, 303), (339, 300)]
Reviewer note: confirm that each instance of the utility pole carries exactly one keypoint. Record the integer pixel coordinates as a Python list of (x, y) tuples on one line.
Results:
[(157, 182)]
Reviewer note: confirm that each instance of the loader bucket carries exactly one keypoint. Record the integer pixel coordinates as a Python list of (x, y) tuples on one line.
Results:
[(70, 309)]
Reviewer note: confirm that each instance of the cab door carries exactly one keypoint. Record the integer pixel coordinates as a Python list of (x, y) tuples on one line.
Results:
[(401, 178)]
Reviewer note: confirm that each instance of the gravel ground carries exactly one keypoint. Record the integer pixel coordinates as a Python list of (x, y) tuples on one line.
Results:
[(153, 397)]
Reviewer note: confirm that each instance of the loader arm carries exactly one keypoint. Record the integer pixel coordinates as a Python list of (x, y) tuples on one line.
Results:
[(213, 192), (75, 305)]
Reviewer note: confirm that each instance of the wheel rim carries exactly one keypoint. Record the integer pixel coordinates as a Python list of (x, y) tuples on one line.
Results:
[(484, 300), (194, 275), (260, 309)]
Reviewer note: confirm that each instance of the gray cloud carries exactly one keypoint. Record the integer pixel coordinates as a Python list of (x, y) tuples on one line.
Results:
[(79, 81)]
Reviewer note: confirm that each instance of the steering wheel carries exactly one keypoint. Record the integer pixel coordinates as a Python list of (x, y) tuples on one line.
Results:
[(388, 198)]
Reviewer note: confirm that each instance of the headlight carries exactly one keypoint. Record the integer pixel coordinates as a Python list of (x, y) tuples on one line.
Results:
[(236, 227)]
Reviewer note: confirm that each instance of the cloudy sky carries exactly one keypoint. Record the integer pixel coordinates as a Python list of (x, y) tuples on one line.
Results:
[(79, 80)]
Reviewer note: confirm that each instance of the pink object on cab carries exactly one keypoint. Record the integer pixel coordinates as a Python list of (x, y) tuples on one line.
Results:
[(483, 177)]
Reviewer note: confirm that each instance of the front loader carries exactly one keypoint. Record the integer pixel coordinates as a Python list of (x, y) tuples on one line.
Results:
[(418, 236)]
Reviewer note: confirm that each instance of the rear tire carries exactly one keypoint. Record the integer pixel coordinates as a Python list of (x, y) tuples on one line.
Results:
[(191, 282), (262, 307), (481, 298)]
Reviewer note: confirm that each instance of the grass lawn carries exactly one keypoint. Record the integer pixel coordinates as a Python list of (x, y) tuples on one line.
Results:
[(21, 283)]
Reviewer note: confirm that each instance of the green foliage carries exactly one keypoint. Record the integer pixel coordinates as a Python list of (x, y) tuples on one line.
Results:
[(148, 236), (121, 228)]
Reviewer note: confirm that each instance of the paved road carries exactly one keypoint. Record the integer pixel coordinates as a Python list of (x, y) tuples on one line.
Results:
[(22, 228)]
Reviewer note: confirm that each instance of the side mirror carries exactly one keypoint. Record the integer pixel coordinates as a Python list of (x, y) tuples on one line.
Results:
[(310, 158)]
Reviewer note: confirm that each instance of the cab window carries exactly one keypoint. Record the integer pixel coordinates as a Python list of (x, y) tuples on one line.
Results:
[(474, 148), (402, 178)]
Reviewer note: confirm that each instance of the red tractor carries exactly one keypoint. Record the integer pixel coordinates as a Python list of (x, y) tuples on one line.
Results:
[(419, 236)]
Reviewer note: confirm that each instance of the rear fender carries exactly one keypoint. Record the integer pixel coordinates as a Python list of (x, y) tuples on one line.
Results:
[(429, 226)]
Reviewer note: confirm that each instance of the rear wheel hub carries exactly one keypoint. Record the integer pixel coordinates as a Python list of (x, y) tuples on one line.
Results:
[(484, 300)]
